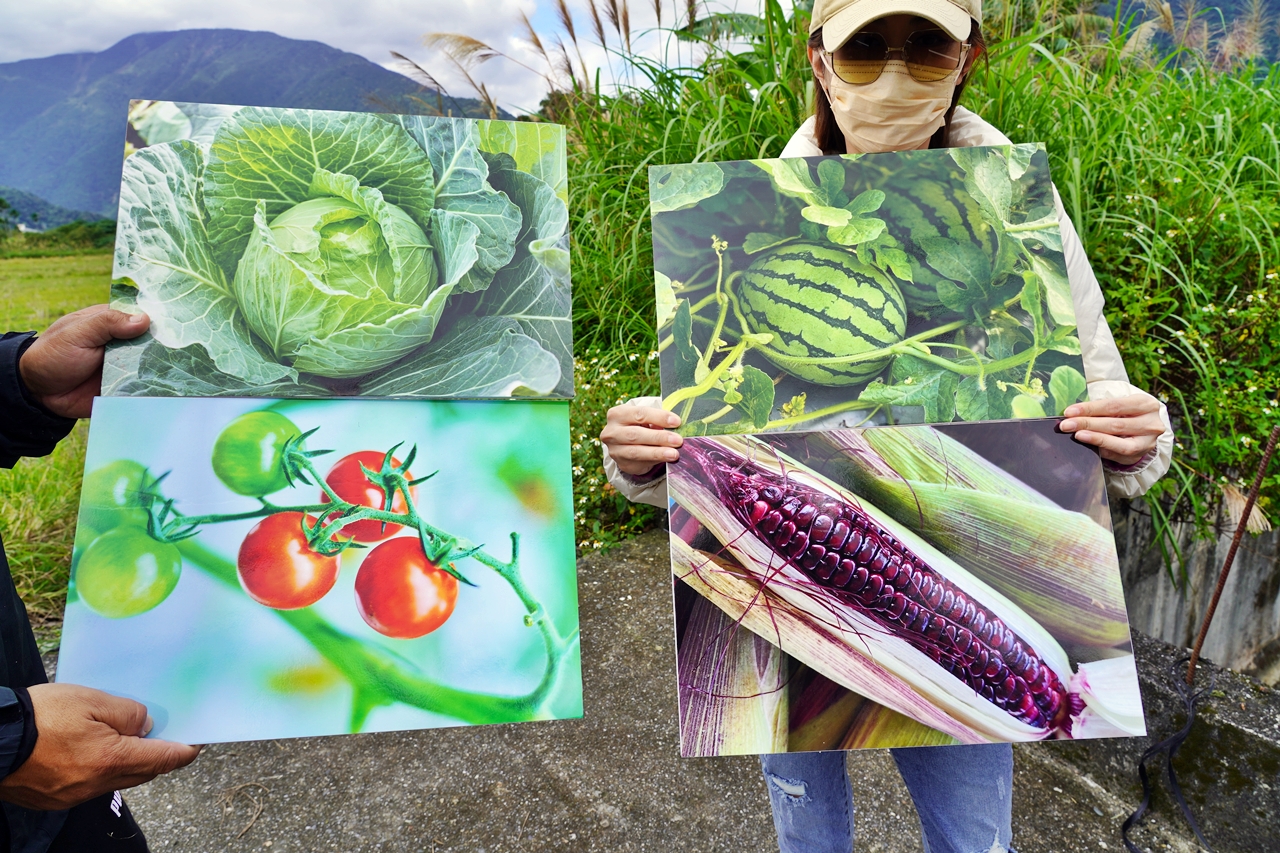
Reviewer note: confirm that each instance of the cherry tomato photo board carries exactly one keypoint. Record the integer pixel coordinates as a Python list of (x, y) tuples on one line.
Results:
[(239, 569)]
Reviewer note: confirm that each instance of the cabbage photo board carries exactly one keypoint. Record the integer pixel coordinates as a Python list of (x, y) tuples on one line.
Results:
[(897, 586), (309, 253), (256, 569), (909, 287)]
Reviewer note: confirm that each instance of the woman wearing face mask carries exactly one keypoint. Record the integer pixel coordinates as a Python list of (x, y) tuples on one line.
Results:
[(889, 74)]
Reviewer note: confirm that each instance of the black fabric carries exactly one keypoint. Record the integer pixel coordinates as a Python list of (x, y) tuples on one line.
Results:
[(26, 429), (27, 745), (102, 825)]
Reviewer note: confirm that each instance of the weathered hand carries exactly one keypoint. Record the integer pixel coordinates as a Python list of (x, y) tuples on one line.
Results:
[(638, 437), (1124, 429), (63, 368), (89, 743)]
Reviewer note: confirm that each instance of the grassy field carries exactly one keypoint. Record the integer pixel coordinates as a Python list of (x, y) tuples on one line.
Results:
[(39, 497)]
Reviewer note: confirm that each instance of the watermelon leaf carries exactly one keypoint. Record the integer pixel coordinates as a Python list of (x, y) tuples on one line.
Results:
[(857, 231), (1058, 288), (665, 296), (1033, 302), (963, 262), (686, 355), (866, 202), (1020, 158), (987, 181), (1065, 340), (791, 177), (682, 185), (829, 216), (757, 396), (916, 383), (1067, 386), (758, 241), (831, 177), (976, 402)]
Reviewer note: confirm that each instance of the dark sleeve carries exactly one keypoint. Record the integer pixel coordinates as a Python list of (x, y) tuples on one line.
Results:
[(26, 428), (17, 728)]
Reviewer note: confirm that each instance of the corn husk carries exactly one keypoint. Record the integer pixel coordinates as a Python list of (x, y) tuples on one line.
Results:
[(826, 730), (737, 591), (1058, 565), (875, 726), (733, 695), (839, 641), (1112, 699)]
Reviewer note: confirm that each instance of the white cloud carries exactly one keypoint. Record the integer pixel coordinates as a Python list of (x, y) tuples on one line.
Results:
[(370, 28)]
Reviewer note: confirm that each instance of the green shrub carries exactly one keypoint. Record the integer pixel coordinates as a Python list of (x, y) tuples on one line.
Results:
[(1170, 170)]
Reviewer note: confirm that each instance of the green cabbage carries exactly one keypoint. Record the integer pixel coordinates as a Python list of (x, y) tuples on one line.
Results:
[(308, 253)]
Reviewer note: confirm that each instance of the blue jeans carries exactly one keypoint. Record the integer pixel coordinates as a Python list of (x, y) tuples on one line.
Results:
[(963, 794)]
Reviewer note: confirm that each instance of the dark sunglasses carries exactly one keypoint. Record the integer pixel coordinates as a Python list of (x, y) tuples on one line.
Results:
[(930, 56)]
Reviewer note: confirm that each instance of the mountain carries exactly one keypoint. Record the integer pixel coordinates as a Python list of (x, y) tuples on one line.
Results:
[(62, 118), (34, 212)]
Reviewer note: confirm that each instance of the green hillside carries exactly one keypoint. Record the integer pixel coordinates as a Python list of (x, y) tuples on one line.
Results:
[(62, 118)]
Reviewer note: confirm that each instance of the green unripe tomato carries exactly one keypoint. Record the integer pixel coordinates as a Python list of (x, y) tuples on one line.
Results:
[(84, 538), (110, 496), (248, 456), (125, 572)]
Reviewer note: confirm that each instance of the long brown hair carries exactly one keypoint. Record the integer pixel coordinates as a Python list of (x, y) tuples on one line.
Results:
[(827, 132)]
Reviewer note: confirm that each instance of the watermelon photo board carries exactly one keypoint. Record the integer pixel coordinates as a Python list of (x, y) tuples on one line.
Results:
[(908, 287), (235, 569), (897, 586)]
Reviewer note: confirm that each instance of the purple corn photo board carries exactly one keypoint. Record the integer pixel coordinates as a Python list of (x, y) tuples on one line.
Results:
[(897, 586)]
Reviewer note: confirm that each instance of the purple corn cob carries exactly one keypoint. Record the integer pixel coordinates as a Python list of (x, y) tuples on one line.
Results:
[(845, 551)]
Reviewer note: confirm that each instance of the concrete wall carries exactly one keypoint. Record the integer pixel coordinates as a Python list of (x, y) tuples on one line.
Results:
[(1245, 635)]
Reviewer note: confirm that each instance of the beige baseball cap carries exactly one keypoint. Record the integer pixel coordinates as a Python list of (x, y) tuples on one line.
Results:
[(840, 19)]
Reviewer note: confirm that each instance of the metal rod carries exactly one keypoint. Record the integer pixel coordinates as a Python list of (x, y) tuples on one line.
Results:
[(1231, 553)]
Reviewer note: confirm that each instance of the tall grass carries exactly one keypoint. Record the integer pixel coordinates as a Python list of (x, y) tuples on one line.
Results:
[(1171, 173), (1170, 167), (39, 498)]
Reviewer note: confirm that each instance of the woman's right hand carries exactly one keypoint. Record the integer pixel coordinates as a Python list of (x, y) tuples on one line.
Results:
[(639, 437)]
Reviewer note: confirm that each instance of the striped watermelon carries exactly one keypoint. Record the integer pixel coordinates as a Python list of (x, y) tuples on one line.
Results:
[(917, 210), (819, 300)]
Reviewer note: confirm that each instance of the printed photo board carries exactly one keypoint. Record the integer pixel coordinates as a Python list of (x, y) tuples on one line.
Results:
[(910, 287), (897, 586), (254, 568), (309, 253)]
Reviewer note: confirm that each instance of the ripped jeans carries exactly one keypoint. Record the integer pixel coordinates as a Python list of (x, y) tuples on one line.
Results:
[(963, 794)]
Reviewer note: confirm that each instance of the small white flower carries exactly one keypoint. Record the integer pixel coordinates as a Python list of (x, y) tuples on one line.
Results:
[(1245, 440), (1171, 233), (1222, 217), (1177, 180), (1270, 276)]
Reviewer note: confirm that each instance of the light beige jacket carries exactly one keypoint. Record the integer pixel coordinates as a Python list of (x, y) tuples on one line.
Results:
[(1103, 367)]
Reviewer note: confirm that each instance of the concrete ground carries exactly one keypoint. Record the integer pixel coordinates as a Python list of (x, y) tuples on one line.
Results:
[(610, 782)]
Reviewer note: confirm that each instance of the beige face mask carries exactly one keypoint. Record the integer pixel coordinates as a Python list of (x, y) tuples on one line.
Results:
[(895, 112)]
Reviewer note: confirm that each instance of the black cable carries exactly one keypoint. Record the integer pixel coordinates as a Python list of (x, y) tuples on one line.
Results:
[(1168, 747)]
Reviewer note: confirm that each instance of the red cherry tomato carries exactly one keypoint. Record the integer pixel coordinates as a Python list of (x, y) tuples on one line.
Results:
[(401, 593), (279, 569), (349, 483)]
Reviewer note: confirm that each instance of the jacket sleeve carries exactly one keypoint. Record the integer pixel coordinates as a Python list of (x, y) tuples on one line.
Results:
[(1103, 367), (650, 490), (26, 429)]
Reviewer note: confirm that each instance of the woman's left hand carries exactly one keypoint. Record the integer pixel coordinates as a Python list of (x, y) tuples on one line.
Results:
[(1124, 429)]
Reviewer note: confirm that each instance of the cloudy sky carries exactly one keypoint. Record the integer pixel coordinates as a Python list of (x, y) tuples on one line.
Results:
[(371, 28)]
